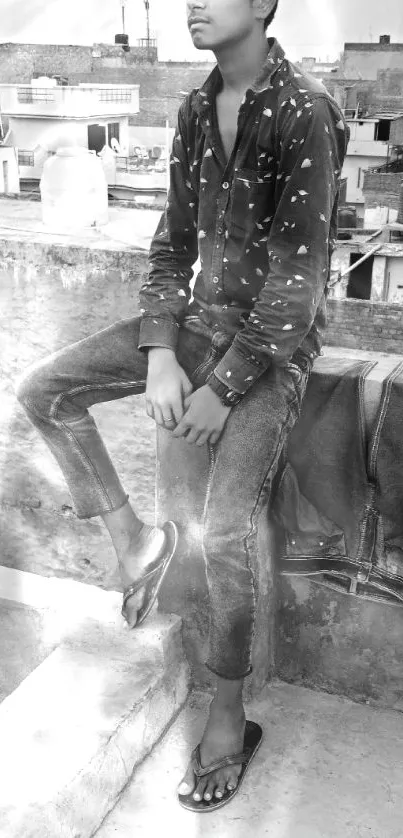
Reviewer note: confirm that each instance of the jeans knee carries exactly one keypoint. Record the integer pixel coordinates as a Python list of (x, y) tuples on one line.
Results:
[(29, 390)]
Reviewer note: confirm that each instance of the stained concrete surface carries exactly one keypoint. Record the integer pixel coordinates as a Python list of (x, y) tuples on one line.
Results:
[(327, 768), (22, 644)]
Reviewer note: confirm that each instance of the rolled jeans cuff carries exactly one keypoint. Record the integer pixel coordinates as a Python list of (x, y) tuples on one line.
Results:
[(229, 676)]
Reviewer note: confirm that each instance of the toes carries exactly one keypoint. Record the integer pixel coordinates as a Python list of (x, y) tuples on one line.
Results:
[(231, 777), (210, 789), (200, 789), (188, 783), (131, 609), (220, 789)]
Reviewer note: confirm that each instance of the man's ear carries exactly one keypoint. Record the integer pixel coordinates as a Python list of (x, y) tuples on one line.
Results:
[(263, 8)]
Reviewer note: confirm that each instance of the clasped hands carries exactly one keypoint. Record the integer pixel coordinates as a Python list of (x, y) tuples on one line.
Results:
[(197, 416)]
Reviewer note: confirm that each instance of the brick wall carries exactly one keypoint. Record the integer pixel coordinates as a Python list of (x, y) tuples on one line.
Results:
[(20, 62), (383, 189), (360, 324), (154, 112), (157, 81)]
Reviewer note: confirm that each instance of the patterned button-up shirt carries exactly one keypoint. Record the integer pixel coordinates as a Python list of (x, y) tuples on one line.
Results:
[(262, 223)]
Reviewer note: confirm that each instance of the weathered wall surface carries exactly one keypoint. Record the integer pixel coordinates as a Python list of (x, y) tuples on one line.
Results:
[(339, 643), (365, 325), (50, 297), (383, 189), (20, 62), (365, 60)]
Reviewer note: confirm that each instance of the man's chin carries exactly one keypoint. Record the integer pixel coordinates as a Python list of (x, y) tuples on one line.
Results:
[(199, 42)]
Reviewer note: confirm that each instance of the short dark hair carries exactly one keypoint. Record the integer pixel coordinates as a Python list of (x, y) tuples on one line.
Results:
[(270, 17)]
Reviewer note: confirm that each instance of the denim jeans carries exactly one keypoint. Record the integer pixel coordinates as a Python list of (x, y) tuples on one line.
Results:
[(56, 394), (339, 498)]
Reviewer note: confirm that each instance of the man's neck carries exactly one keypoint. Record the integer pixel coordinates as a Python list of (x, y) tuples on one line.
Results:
[(240, 65)]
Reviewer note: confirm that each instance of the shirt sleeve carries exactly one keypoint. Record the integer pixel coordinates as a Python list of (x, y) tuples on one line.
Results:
[(165, 294), (312, 141)]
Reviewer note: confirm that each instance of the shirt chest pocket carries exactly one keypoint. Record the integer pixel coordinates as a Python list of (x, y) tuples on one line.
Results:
[(251, 206)]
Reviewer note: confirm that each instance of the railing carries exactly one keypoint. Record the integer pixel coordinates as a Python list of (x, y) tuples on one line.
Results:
[(393, 167), (142, 162), (116, 95), (27, 95)]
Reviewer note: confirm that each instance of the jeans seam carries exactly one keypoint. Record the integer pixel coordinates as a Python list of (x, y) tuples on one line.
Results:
[(385, 404), (264, 484), (55, 406)]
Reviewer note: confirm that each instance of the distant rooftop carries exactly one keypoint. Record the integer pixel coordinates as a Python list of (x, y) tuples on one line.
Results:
[(384, 45)]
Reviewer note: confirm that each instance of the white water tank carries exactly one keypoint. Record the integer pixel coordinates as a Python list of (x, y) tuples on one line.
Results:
[(74, 190)]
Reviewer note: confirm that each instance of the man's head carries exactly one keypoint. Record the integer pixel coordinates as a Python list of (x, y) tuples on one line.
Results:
[(217, 23)]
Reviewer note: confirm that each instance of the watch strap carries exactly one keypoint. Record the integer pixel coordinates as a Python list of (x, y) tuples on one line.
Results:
[(227, 396)]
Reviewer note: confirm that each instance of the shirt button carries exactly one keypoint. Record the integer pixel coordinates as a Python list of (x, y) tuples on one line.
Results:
[(215, 280), (220, 230), (225, 185)]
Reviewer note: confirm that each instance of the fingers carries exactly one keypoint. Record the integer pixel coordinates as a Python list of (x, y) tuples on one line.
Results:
[(203, 438), (149, 409), (193, 436), (158, 416), (176, 410), (182, 426)]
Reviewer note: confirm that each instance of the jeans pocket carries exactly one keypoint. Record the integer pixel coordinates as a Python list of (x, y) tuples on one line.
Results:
[(202, 372)]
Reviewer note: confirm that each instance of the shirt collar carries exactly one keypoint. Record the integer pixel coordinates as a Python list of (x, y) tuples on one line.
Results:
[(213, 83)]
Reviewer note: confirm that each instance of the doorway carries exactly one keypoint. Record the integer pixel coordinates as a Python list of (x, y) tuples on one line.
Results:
[(360, 282), (96, 137)]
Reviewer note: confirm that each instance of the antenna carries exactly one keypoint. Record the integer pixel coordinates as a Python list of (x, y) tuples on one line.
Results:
[(147, 7), (123, 4)]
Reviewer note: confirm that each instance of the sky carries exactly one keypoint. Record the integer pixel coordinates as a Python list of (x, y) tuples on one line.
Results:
[(304, 27)]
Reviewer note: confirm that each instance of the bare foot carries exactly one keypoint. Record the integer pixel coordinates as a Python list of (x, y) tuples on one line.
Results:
[(223, 736), (147, 546)]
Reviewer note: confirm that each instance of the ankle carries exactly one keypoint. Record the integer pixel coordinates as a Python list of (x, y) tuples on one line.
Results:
[(232, 706), (126, 543)]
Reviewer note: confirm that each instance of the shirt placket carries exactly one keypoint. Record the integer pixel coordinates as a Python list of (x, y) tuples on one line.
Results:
[(223, 199)]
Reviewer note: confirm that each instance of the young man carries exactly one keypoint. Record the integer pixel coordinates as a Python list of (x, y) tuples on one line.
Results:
[(255, 171)]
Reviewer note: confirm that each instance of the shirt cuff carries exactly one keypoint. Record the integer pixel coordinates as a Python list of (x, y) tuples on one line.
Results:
[(238, 373), (158, 331)]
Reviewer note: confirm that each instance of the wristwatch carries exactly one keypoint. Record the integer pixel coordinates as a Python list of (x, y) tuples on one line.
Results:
[(227, 397)]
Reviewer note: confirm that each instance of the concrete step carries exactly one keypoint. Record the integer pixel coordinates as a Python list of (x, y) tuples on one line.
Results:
[(327, 768), (77, 726)]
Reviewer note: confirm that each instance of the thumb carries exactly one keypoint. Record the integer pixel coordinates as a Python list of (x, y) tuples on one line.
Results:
[(188, 400), (187, 386)]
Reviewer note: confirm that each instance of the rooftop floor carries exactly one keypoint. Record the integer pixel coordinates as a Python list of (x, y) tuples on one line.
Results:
[(327, 768), (127, 228)]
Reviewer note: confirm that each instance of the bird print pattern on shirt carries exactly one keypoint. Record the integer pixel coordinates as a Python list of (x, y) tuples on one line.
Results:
[(263, 224)]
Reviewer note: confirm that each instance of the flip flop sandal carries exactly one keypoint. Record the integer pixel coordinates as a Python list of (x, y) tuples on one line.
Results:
[(152, 580), (251, 744)]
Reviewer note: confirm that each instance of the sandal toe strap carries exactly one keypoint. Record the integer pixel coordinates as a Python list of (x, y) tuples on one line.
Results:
[(235, 759)]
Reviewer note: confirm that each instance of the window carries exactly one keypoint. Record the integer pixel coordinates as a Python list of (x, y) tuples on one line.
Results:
[(360, 281), (118, 94), (27, 95), (26, 158), (382, 130)]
